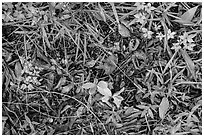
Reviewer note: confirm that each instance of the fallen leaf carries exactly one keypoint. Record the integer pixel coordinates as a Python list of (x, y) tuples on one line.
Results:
[(80, 111), (123, 30), (67, 88), (164, 106), (110, 64), (132, 46), (18, 70), (88, 85)]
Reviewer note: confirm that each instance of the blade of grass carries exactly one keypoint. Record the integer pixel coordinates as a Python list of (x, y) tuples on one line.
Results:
[(189, 62), (169, 63), (115, 12)]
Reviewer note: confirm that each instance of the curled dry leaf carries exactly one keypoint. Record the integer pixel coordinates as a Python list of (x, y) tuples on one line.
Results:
[(132, 46)]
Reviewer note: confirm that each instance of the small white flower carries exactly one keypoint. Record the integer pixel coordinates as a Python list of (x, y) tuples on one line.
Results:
[(156, 27), (189, 46), (176, 46), (160, 36), (170, 35), (148, 8), (140, 5), (140, 18), (186, 38), (147, 34)]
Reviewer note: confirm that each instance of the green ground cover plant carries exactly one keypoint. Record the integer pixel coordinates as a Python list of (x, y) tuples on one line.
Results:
[(101, 68)]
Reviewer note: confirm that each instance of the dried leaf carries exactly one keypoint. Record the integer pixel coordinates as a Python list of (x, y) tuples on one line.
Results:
[(18, 70), (88, 85), (123, 30), (189, 62), (91, 63), (67, 88), (110, 64), (164, 105), (132, 46), (80, 111)]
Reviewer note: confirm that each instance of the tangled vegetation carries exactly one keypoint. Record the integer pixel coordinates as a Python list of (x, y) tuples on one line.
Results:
[(94, 68)]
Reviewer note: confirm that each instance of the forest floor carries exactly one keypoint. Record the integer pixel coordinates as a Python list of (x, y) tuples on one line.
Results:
[(127, 68)]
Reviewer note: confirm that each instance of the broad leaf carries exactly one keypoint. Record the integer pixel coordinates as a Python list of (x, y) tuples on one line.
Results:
[(123, 30), (104, 90), (117, 100), (186, 18), (103, 84), (88, 85), (105, 99), (164, 105), (188, 15)]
